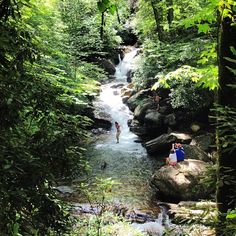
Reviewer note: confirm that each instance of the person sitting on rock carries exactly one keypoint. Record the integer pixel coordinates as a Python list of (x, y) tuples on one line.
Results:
[(179, 152), (172, 159)]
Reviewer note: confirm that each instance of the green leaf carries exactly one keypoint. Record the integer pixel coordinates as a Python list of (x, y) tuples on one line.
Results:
[(203, 28), (231, 216), (230, 59), (112, 9), (101, 7), (232, 70), (233, 50), (106, 2)]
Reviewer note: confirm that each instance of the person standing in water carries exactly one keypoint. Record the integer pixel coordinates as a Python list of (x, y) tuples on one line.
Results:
[(118, 131)]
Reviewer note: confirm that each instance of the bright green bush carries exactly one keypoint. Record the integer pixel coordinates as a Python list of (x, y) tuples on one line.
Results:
[(184, 92)]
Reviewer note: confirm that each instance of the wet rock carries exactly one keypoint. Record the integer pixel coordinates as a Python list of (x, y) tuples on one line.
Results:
[(130, 86), (130, 74), (116, 54), (139, 216), (102, 123), (79, 209), (107, 65), (126, 92), (99, 131), (125, 99), (64, 191), (100, 117), (181, 182), (115, 92), (164, 142), (128, 36), (114, 86)]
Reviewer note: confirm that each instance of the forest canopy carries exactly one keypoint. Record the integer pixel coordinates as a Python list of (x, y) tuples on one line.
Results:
[(52, 56)]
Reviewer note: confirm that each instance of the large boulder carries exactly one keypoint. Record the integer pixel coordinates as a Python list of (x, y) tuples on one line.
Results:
[(136, 128), (140, 110), (163, 143), (138, 98), (107, 65), (126, 92), (170, 120), (195, 152), (101, 118), (181, 182), (204, 141), (153, 118)]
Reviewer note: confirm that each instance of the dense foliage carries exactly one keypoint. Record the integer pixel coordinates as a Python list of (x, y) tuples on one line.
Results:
[(44, 93), (50, 52)]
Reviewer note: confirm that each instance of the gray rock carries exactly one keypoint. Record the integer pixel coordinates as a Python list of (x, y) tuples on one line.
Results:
[(204, 141), (107, 65), (153, 118), (189, 210), (181, 182), (195, 152), (114, 86), (170, 120), (126, 92), (140, 110), (138, 98), (136, 128), (101, 118), (163, 143), (125, 99), (64, 189)]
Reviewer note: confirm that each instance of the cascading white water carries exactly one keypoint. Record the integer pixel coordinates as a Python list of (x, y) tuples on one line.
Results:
[(113, 105), (125, 65)]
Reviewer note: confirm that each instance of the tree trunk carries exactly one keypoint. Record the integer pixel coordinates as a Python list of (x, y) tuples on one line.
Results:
[(102, 26), (170, 13), (226, 97), (158, 18)]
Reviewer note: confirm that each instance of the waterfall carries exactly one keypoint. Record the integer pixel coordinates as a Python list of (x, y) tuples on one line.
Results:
[(113, 105), (125, 65)]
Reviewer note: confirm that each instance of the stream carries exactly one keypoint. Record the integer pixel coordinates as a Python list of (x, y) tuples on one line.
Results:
[(126, 162)]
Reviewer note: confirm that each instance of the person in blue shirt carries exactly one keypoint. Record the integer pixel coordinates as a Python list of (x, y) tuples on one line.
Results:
[(179, 152)]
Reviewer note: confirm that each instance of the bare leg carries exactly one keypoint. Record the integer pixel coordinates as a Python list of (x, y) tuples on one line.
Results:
[(117, 137), (167, 161)]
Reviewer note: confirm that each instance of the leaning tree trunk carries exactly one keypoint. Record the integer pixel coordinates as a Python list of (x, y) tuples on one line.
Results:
[(226, 98), (157, 11)]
